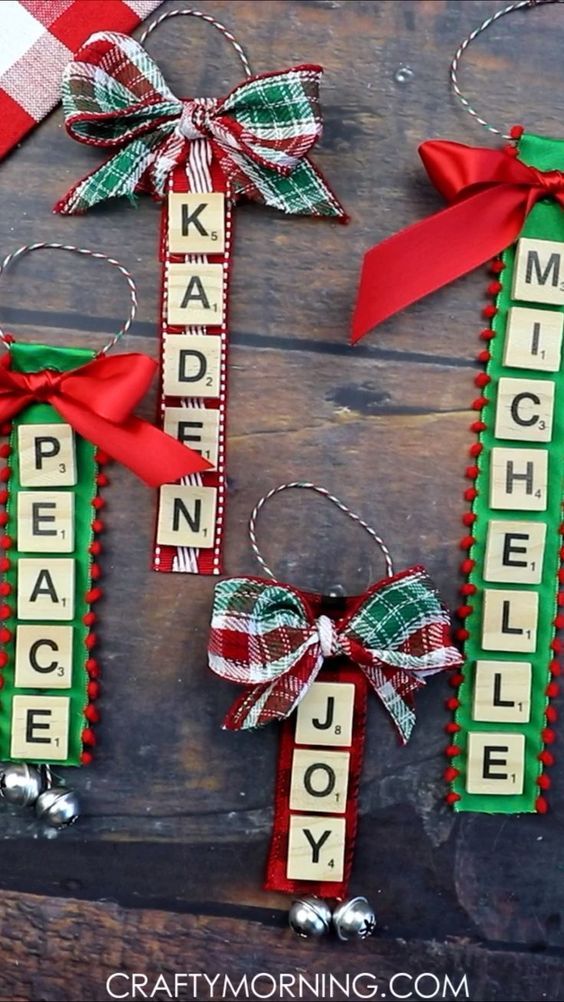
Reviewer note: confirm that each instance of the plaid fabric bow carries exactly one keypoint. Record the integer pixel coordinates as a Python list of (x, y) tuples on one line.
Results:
[(114, 95), (267, 636)]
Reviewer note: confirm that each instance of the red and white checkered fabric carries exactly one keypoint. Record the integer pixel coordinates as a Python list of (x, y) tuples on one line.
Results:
[(37, 39)]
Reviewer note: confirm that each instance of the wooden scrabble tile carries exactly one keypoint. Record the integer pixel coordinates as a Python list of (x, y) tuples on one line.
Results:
[(186, 516), (502, 691), (195, 294), (495, 763), (196, 222), (191, 365), (518, 479), (45, 588), (524, 409), (197, 427), (533, 339), (514, 552), (46, 455), (509, 621), (325, 715), (539, 271), (316, 848), (45, 522), (319, 781), (43, 656), (40, 728)]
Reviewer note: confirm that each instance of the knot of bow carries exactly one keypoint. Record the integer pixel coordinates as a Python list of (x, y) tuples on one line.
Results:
[(115, 96), (490, 194), (269, 638), (97, 399)]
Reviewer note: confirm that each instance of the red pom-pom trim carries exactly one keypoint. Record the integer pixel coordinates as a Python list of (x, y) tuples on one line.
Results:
[(92, 714), (479, 403), (452, 727), (452, 797), (541, 805)]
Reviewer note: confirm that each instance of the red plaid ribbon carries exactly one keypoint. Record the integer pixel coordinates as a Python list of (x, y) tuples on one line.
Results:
[(271, 638)]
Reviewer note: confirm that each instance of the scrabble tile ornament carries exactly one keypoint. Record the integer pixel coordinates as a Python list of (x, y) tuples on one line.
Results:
[(199, 157), (62, 427), (505, 206), (309, 661)]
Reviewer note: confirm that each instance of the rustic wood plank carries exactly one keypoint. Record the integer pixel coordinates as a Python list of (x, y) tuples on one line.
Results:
[(52, 947)]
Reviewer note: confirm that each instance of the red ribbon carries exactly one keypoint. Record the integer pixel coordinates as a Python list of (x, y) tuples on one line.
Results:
[(491, 194), (97, 400)]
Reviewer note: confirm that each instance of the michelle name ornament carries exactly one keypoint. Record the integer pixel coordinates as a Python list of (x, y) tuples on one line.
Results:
[(309, 661), (199, 156), (504, 205), (65, 411)]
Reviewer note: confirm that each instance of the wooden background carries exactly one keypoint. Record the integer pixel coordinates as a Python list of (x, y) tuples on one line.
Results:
[(164, 871)]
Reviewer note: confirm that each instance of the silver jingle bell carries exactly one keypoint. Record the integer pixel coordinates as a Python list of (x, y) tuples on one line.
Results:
[(58, 807), (309, 917), (20, 784), (354, 919)]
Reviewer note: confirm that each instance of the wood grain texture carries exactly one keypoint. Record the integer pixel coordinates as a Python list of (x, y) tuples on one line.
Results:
[(177, 813)]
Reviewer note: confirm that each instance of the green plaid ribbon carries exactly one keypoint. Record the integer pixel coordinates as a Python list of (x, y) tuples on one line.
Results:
[(271, 638), (115, 96)]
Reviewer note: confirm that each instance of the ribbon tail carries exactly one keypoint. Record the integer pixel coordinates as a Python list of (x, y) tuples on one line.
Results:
[(302, 192), (431, 253), (155, 457), (396, 693), (273, 701), (120, 175)]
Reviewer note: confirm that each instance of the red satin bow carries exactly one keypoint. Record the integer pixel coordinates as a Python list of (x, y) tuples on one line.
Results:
[(491, 194), (97, 400)]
